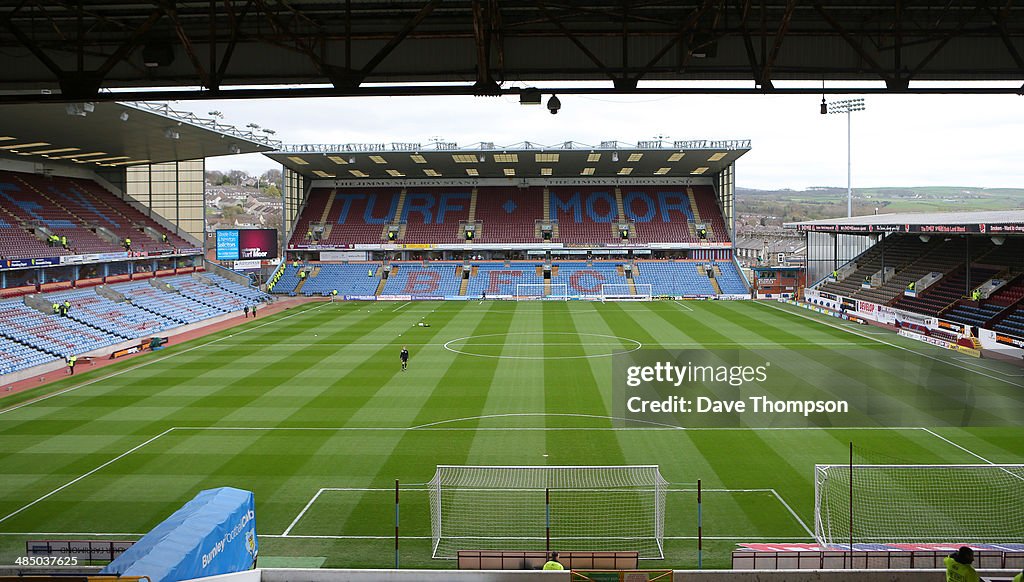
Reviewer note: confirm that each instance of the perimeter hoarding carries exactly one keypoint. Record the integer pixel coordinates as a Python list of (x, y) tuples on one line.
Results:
[(250, 243)]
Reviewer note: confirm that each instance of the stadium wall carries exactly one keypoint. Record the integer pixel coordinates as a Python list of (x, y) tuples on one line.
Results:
[(998, 342)]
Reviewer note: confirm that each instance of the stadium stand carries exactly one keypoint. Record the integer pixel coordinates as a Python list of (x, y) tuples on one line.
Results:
[(673, 277), (168, 302), (15, 356), (432, 215), (121, 319), (425, 279), (501, 279), (509, 214), (349, 279), (584, 279), (51, 333), (92, 219), (584, 215), (946, 292), (729, 278)]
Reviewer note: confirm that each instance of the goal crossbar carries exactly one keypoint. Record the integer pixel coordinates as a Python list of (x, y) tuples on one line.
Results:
[(523, 507)]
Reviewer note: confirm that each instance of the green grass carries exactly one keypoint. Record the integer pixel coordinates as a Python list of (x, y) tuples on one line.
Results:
[(313, 399)]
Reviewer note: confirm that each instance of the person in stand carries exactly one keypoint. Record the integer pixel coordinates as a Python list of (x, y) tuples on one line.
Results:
[(553, 563), (127, 244), (958, 566), (246, 311), (911, 285), (67, 307), (56, 308), (369, 272), (71, 364), (64, 242), (334, 295), (404, 356), (163, 237)]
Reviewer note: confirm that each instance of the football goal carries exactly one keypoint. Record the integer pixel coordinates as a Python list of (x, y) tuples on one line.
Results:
[(522, 508), (537, 291), (953, 504), (621, 292)]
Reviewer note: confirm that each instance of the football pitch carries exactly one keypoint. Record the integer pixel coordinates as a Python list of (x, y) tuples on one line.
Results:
[(309, 409)]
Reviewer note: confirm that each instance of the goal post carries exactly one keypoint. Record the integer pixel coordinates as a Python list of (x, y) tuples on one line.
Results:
[(596, 508), (624, 292), (540, 291), (954, 504)]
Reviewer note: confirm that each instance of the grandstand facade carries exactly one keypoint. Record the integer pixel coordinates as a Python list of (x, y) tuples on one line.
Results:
[(403, 219)]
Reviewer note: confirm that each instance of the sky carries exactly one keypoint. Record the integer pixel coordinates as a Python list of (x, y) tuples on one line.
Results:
[(899, 140)]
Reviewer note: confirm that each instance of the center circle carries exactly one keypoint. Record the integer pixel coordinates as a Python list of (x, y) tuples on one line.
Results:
[(531, 345)]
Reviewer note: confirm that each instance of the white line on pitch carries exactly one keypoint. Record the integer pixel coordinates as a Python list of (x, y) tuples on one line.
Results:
[(301, 513), (684, 306), (968, 451), (892, 345), (401, 306), (80, 477), (793, 513), (153, 361)]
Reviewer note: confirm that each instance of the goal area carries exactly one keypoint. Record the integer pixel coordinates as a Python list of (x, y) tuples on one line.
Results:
[(620, 292), (539, 291), (954, 504), (595, 508)]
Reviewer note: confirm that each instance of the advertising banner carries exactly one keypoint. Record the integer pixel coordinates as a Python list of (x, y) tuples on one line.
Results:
[(250, 243), (227, 245), (213, 534), (247, 265)]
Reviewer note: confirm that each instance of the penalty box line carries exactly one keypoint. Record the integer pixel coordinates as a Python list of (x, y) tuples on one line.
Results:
[(419, 488)]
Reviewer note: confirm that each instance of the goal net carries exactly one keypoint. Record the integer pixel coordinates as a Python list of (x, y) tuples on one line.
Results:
[(538, 291), (620, 292), (510, 508), (953, 504)]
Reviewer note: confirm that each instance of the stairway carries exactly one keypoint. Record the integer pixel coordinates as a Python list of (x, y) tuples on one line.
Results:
[(463, 286), (547, 205), (629, 280), (327, 207), (714, 280), (298, 287), (472, 206), (398, 209), (619, 205), (696, 213)]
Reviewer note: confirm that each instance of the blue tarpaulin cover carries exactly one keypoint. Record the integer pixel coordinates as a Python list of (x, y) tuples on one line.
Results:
[(215, 533)]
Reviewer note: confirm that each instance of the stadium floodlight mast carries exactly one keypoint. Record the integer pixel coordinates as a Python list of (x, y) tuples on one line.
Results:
[(847, 106)]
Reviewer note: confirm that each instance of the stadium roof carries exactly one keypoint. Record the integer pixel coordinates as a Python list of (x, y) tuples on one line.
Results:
[(117, 134), (377, 47), (983, 222), (391, 161)]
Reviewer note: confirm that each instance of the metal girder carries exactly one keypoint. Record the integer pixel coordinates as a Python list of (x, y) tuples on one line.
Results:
[(80, 47)]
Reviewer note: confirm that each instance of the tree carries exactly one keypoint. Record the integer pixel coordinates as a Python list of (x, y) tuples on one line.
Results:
[(237, 176), (271, 176)]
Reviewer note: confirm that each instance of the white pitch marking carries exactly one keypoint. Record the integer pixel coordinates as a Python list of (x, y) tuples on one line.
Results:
[(793, 513), (301, 513), (684, 306), (964, 449), (401, 306), (83, 476)]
